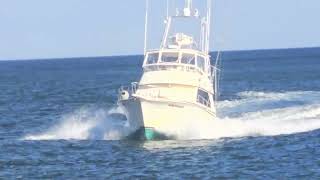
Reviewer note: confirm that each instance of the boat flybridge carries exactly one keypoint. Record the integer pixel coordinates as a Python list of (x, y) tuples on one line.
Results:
[(178, 84)]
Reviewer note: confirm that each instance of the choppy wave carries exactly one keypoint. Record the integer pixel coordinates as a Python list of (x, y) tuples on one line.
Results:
[(253, 114)]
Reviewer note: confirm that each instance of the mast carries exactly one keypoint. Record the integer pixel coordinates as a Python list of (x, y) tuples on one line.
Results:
[(146, 28), (187, 9), (188, 4)]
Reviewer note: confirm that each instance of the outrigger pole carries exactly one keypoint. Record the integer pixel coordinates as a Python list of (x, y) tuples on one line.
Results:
[(146, 28), (208, 25)]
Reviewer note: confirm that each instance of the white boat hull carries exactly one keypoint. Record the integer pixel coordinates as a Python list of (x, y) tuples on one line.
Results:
[(165, 117)]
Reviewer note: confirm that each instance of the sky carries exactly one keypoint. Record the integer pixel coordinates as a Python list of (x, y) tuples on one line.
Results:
[(36, 29)]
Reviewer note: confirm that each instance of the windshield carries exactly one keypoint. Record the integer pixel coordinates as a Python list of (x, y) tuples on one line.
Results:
[(152, 58), (201, 62), (169, 57), (188, 59)]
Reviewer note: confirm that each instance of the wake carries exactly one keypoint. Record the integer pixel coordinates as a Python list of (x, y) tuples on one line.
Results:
[(253, 114)]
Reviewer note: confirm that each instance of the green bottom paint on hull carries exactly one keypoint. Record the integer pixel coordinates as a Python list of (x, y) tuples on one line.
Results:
[(148, 134)]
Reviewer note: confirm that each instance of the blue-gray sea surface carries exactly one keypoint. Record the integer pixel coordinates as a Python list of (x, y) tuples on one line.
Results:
[(56, 122)]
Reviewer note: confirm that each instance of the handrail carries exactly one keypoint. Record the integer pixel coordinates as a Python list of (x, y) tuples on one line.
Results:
[(182, 50), (162, 67), (134, 87)]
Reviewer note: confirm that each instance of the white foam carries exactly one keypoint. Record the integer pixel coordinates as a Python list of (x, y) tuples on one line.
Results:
[(254, 114), (86, 123), (259, 114)]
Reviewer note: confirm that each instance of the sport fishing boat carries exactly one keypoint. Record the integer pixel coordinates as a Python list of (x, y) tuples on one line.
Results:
[(178, 84)]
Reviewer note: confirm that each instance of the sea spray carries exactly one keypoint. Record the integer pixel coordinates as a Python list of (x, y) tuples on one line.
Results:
[(87, 123), (252, 114)]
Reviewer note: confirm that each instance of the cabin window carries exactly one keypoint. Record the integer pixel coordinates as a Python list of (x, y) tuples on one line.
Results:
[(169, 57), (152, 58), (203, 98), (201, 63), (188, 59)]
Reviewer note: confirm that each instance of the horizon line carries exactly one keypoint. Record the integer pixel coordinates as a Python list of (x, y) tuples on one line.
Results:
[(126, 55)]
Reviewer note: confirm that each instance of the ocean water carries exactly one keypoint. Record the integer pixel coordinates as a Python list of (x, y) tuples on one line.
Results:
[(56, 122)]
